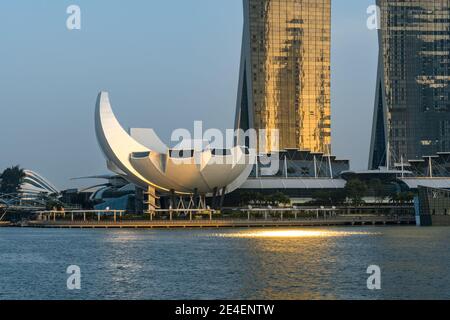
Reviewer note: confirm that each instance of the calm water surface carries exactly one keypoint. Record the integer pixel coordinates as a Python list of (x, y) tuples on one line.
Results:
[(299, 263)]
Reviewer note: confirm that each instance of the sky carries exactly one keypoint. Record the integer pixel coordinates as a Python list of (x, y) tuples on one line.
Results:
[(165, 64)]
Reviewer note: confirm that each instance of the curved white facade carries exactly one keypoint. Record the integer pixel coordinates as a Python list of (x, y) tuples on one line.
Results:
[(155, 165), (34, 184)]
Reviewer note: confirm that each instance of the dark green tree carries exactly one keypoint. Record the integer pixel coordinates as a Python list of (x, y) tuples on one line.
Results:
[(284, 199), (355, 190), (329, 198), (260, 198), (410, 197), (402, 198), (379, 190), (278, 198), (322, 197), (245, 198), (11, 179)]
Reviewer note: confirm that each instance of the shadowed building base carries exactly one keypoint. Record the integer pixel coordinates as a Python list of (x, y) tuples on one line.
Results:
[(432, 207)]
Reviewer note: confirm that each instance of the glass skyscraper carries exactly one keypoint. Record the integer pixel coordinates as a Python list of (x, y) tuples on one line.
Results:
[(285, 72), (412, 107)]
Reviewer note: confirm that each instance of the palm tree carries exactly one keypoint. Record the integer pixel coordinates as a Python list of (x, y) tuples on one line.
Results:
[(11, 179)]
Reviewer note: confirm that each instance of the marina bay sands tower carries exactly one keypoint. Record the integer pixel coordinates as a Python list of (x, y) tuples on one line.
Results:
[(285, 72), (412, 108)]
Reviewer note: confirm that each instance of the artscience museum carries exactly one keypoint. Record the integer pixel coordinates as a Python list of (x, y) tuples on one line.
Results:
[(143, 159)]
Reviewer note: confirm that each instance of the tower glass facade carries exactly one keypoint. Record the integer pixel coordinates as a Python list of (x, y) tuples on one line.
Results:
[(412, 109), (285, 72)]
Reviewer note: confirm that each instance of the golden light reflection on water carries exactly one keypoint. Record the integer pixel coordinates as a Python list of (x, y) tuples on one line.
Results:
[(122, 236), (295, 234)]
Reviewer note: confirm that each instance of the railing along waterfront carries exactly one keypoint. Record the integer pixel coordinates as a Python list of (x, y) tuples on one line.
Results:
[(176, 218), (248, 213)]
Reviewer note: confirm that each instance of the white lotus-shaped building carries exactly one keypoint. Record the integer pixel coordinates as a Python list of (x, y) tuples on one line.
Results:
[(143, 159)]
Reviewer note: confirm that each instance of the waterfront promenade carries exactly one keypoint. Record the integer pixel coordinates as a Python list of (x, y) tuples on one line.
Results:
[(194, 218), (226, 223)]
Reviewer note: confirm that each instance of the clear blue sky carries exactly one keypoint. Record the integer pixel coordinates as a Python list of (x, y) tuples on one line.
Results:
[(165, 63)]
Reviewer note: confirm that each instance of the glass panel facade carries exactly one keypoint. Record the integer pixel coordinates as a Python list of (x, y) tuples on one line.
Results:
[(414, 79), (285, 72), (434, 201)]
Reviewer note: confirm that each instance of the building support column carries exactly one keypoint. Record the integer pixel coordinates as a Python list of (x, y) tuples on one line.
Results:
[(222, 198), (195, 199), (172, 203), (150, 201), (214, 199), (202, 202)]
